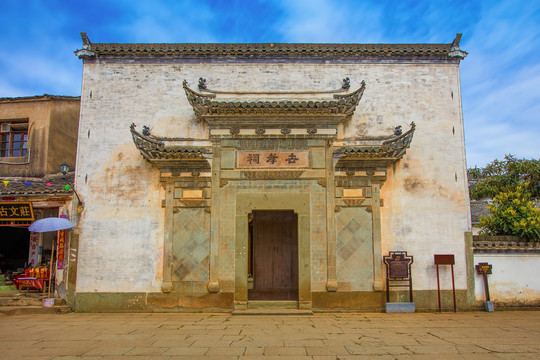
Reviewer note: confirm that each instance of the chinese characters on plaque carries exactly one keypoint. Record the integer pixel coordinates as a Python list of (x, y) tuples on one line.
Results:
[(16, 211), (273, 159), (398, 272)]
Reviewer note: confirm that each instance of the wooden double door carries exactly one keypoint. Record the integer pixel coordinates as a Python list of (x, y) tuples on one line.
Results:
[(274, 255)]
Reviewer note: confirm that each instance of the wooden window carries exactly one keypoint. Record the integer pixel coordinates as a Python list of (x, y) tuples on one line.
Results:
[(14, 139)]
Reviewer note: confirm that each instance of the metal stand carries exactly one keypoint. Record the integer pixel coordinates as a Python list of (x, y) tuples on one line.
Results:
[(484, 269)]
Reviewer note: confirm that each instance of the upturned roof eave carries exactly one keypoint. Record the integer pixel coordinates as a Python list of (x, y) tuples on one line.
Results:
[(206, 106)]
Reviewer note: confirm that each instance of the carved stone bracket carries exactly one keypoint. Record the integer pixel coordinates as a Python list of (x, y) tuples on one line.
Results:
[(193, 202), (322, 182), (223, 182), (354, 202), (272, 175), (337, 208)]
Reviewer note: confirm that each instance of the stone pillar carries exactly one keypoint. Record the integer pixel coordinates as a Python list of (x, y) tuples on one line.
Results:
[(213, 284), (331, 280), (240, 262), (304, 261), (469, 258), (167, 286), (378, 282)]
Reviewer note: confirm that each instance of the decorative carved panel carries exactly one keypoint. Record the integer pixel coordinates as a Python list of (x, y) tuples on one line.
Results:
[(272, 175)]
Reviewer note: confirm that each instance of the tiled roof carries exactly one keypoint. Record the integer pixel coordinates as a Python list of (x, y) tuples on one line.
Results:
[(40, 97), (479, 209), (273, 50), (17, 186), (205, 106)]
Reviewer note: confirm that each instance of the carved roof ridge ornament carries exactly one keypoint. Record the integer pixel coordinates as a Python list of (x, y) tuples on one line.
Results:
[(344, 87), (206, 106)]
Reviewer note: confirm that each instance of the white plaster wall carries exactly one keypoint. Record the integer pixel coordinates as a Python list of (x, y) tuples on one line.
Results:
[(514, 281), (425, 197)]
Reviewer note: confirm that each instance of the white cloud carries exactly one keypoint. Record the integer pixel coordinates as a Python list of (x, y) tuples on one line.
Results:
[(501, 96), (329, 21), (169, 21)]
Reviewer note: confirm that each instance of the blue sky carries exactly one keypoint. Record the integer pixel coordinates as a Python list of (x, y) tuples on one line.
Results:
[(500, 78)]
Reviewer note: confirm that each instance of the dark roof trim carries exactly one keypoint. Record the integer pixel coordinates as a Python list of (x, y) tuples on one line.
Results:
[(271, 50)]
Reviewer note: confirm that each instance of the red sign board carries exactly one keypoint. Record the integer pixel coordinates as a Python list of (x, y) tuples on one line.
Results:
[(61, 248), (444, 259)]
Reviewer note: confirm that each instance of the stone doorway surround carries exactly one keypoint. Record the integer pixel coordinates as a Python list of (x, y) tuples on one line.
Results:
[(245, 204)]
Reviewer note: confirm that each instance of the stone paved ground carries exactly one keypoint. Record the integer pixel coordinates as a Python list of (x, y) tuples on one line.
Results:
[(470, 335)]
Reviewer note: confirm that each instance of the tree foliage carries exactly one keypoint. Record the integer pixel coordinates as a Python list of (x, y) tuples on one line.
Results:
[(514, 186), (504, 176), (513, 213)]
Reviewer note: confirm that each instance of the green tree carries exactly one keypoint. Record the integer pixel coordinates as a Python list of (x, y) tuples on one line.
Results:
[(503, 176), (514, 186), (513, 213)]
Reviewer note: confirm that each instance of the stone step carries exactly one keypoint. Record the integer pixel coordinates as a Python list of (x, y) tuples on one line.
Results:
[(20, 301), (8, 288), (272, 304), (23, 310)]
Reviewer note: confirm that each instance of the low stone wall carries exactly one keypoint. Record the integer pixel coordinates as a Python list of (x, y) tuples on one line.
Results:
[(514, 281)]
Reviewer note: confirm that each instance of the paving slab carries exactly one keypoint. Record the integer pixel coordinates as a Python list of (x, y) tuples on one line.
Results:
[(328, 336)]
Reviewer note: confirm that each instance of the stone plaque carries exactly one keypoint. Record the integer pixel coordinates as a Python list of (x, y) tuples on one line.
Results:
[(272, 159)]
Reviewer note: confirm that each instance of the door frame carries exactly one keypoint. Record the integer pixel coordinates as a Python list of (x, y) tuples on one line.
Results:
[(245, 204)]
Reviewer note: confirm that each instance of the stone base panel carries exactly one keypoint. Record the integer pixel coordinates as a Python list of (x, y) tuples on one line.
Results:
[(356, 301)]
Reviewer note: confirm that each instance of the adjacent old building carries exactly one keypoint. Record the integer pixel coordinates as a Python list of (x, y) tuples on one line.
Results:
[(38, 134), (234, 176)]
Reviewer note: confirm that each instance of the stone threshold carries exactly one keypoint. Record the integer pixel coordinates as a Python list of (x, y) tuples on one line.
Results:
[(272, 307), (272, 312), (272, 304)]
